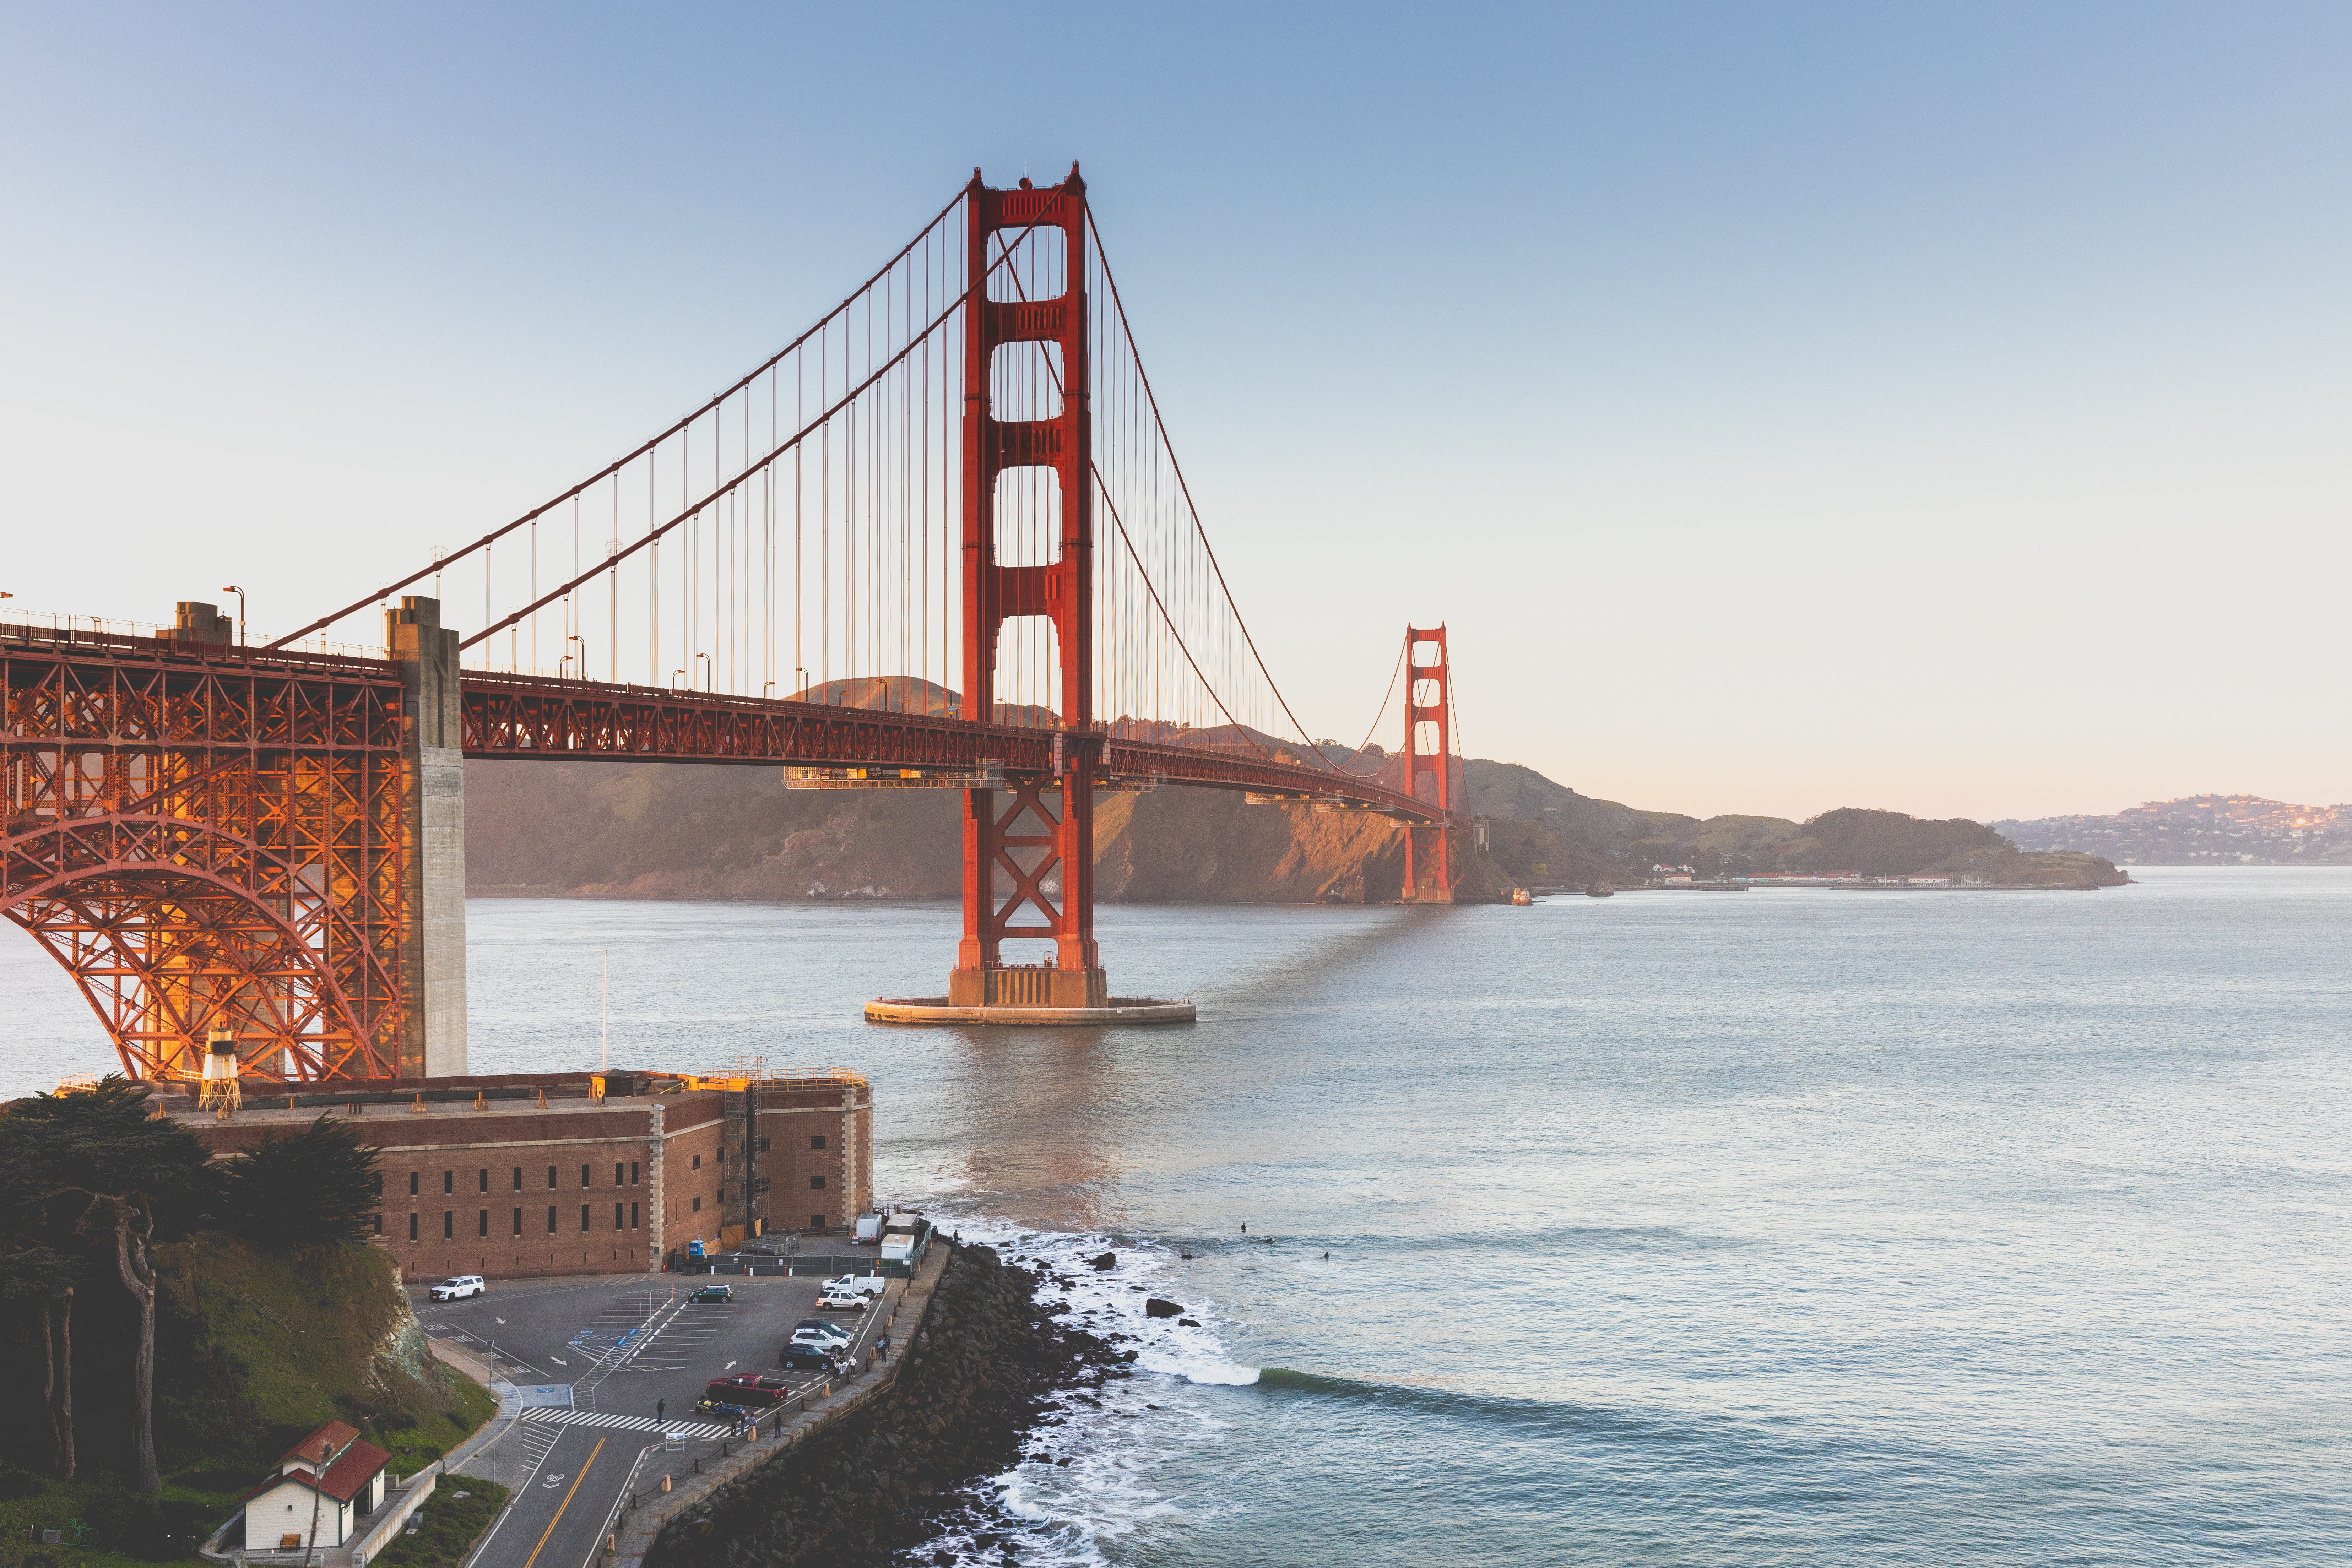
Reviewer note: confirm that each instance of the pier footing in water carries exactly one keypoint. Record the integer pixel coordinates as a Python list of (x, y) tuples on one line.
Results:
[(941, 1010)]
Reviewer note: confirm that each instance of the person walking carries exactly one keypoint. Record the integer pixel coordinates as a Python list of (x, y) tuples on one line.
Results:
[(661, 1409)]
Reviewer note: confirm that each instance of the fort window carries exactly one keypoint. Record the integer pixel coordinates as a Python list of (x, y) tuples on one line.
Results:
[(482, 1224), (518, 1178), (584, 1175), (583, 1216), (697, 1206), (698, 1162), (817, 1140), (616, 1216), (632, 1172), (551, 1219), (633, 1216), (448, 1224), (379, 1225), (486, 1179), (448, 1180), (816, 1222), (412, 1184), (379, 1184), (617, 1167), (412, 1228), (763, 1146), (551, 1178), (518, 1222), (816, 1182)]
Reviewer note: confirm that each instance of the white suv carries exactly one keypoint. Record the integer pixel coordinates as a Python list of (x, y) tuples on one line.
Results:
[(457, 1289)]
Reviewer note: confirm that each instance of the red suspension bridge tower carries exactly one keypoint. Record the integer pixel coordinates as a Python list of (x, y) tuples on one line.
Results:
[(1429, 749), (1042, 839)]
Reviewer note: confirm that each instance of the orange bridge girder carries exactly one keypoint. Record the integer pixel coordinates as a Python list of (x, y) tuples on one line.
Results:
[(201, 834), (205, 837)]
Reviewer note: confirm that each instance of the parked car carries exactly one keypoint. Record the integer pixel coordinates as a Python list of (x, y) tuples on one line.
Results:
[(720, 1293), (810, 1358), (863, 1284), (820, 1338), (841, 1302), (459, 1287)]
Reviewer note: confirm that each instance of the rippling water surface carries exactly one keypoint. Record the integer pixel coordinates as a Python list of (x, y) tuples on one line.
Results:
[(1788, 1226)]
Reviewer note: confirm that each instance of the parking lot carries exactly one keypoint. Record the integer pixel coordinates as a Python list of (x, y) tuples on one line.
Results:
[(605, 1367)]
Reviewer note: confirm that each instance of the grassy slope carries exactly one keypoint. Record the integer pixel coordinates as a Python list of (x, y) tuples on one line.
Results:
[(252, 1350)]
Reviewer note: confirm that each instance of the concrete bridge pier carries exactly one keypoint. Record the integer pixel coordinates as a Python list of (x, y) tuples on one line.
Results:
[(432, 1038)]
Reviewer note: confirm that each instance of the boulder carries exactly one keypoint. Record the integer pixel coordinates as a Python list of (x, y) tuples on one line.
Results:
[(1157, 1307), (1107, 1260)]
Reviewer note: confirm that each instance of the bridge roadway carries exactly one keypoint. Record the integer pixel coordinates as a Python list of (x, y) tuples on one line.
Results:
[(83, 690), (615, 1346)]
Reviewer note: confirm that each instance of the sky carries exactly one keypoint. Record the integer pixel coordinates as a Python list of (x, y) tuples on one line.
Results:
[(1784, 408)]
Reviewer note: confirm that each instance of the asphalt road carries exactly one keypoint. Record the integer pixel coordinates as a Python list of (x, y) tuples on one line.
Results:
[(623, 1348)]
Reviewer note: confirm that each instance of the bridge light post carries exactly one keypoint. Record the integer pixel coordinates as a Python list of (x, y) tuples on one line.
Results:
[(567, 657), (707, 676), (240, 612)]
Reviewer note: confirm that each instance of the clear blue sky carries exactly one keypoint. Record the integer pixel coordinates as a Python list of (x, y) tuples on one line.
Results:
[(1788, 406)]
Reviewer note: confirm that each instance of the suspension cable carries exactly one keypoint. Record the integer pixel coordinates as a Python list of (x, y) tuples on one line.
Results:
[(1152, 399), (610, 469), (613, 561)]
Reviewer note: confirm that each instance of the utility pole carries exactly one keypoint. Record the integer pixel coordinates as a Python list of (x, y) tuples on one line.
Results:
[(317, 1491)]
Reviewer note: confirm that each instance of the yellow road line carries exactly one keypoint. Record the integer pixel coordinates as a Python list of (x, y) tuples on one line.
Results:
[(564, 1504)]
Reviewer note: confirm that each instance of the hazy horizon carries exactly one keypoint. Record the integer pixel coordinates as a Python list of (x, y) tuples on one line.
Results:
[(1783, 407)]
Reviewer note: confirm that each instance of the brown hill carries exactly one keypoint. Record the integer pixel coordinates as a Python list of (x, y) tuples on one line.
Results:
[(664, 830)]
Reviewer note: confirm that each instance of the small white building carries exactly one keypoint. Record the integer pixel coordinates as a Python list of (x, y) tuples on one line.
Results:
[(330, 1477)]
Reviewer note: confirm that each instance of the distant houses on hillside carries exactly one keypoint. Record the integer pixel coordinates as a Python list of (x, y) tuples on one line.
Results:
[(2199, 830)]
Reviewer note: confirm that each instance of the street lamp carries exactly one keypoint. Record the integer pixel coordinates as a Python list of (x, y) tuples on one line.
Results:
[(706, 669), (240, 612), (567, 657)]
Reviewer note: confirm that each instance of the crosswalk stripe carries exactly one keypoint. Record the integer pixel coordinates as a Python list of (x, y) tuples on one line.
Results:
[(625, 1422)]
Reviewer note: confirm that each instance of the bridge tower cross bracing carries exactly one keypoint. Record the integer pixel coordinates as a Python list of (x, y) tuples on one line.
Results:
[(1429, 749), (1027, 839)]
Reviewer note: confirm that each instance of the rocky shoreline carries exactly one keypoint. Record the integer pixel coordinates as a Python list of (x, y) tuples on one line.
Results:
[(883, 1481)]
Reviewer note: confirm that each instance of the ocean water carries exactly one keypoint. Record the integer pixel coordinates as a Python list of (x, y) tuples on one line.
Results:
[(1793, 1226)]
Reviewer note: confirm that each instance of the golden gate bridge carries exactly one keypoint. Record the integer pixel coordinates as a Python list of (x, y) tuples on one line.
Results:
[(941, 539)]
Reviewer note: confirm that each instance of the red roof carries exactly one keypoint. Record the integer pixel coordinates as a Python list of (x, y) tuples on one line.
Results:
[(355, 1463), (336, 1435)]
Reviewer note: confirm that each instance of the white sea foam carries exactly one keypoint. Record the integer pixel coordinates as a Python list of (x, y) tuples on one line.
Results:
[(1088, 1466)]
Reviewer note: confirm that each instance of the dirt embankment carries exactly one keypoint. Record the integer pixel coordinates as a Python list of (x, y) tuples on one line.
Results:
[(878, 1483)]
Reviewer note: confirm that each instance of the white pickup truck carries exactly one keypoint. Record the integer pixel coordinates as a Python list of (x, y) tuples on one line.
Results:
[(853, 1284)]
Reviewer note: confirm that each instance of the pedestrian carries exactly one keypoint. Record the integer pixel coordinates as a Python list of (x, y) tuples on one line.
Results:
[(661, 1409), (1244, 1227)]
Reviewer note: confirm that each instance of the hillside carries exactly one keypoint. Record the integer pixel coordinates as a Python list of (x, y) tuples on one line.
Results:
[(253, 1349), (2201, 831), (698, 831)]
